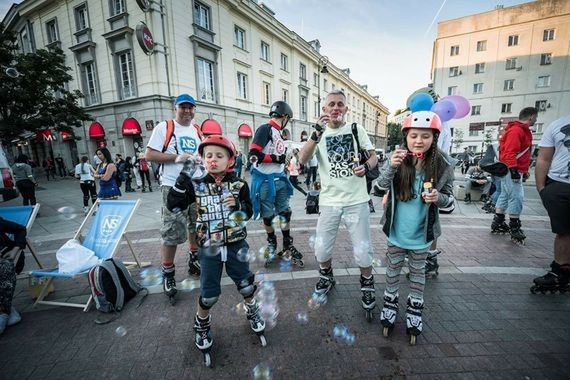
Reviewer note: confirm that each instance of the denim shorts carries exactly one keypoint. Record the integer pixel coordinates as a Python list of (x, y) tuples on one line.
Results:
[(211, 266), (511, 197), (281, 204)]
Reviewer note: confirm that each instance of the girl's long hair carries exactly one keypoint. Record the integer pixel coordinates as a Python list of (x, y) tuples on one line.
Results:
[(433, 167)]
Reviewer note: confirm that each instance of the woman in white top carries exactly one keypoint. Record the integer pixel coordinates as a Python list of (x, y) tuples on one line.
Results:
[(293, 169), (84, 172)]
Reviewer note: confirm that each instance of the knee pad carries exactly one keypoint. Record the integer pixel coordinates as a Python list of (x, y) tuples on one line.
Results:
[(268, 221), (247, 286), (207, 303), (286, 215)]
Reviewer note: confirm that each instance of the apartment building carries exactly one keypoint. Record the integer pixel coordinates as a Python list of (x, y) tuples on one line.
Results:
[(502, 61), (130, 58)]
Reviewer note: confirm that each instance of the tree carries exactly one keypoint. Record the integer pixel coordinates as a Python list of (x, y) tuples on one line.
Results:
[(36, 98), (457, 138), (395, 136)]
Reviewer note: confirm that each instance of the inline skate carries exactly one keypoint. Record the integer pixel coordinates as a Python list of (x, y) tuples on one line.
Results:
[(270, 253), (290, 252), (368, 295), (556, 280), (193, 264), (203, 338), (498, 226), (414, 324), (517, 234), (432, 267), (325, 284), (256, 321), (169, 284), (389, 313)]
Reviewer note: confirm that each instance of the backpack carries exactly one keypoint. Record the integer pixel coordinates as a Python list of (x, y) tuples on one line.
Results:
[(490, 161), (143, 165), (312, 202), (112, 286)]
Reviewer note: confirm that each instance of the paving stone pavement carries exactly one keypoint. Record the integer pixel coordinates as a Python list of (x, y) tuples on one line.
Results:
[(480, 319)]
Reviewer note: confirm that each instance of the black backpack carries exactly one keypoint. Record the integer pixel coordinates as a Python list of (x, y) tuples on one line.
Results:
[(112, 286), (312, 202)]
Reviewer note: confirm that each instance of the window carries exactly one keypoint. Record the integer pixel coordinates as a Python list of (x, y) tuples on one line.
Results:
[(333, 87), (127, 75), (285, 95), (473, 132), (117, 7), (543, 81), (513, 40), (478, 88), (482, 45), (302, 71), (266, 93), (25, 40), (538, 127), (452, 90), (548, 35), (454, 71), (52, 32), (239, 37), (511, 64), (546, 59), (540, 105), (81, 17), (202, 15), (479, 68), (242, 85), (509, 85), (284, 62), (315, 79), (454, 50), (89, 80), (506, 107), (475, 110), (316, 109), (303, 107), (265, 51), (325, 85), (206, 80)]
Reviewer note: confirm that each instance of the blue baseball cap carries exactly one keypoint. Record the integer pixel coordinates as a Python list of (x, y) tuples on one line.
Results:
[(184, 98)]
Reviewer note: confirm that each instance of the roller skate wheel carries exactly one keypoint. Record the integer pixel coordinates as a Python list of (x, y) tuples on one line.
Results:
[(207, 360), (368, 316), (386, 331), (413, 340), (300, 263), (263, 340)]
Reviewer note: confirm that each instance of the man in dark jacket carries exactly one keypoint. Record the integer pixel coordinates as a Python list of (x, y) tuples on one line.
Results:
[(515, 152)]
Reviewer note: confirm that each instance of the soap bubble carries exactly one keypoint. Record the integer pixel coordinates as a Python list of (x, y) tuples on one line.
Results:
[(67, 212), (239, 218), (150, 276), (262, 371), (243, 255), (188, 284), (341, 334), (302, 318), (121, 331)]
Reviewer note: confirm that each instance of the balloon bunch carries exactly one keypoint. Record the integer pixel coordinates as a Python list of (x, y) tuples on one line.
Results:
[(447, 108)]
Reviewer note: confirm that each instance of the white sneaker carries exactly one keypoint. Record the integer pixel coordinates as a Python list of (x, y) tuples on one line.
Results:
[(85, 210)]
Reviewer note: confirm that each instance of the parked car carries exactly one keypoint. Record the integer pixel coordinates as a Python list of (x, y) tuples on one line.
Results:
[(7, 184)]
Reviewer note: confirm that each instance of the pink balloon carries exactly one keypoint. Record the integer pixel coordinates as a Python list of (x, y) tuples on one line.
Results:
[(462, 106), (444, 109)]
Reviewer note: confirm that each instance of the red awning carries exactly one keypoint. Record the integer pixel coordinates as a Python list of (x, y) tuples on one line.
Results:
[(211, 127), (96, 131), (244, 130), (131, 127)]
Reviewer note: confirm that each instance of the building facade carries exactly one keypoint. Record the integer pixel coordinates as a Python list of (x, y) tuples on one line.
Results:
[(130, 58), (502, 61)]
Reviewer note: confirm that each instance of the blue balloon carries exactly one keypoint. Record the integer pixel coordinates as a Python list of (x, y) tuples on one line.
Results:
[(421, 102)]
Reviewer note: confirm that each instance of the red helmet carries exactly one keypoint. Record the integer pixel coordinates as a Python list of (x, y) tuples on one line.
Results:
[(222, 141), (422, 119)]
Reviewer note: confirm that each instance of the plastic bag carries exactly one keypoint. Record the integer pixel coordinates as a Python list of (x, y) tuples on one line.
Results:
[(74, 258)]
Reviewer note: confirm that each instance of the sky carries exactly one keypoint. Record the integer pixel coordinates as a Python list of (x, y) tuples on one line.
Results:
[(387, 44)]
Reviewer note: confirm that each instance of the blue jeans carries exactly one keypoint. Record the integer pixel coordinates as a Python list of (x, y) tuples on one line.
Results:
[(511, 197), (497, 182), (281, 204)]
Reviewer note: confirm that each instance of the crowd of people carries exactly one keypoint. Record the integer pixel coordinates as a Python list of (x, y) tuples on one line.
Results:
[(206, 203)]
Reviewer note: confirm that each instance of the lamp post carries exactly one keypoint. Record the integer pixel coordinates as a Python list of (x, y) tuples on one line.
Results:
[(322, 68)]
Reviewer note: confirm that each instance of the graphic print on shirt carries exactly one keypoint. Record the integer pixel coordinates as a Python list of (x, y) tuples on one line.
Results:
[(188, 144), (213, 225), (341, 155)]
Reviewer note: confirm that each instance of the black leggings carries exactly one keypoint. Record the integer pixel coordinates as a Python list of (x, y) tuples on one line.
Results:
[(28, 190), (88, 188), (295, 183), (145, 174)]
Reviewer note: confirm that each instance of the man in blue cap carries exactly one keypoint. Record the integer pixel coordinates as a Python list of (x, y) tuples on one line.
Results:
[(171, 144)]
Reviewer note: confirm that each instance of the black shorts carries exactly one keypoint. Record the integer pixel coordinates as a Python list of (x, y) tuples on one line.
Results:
[(556, 199)]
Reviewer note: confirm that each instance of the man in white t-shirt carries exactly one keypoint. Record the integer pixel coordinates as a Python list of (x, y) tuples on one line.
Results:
[(344, 194), (552, 174), (176, 227)]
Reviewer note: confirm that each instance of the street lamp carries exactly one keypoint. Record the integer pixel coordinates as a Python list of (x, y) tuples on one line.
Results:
[(322, 68)]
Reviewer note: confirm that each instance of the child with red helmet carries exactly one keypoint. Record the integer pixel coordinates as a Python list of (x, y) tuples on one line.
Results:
[(224, 206), (420, 179)]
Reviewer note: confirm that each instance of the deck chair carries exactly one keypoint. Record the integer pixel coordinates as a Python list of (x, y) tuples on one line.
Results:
[(106, 230), (26, 216)]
